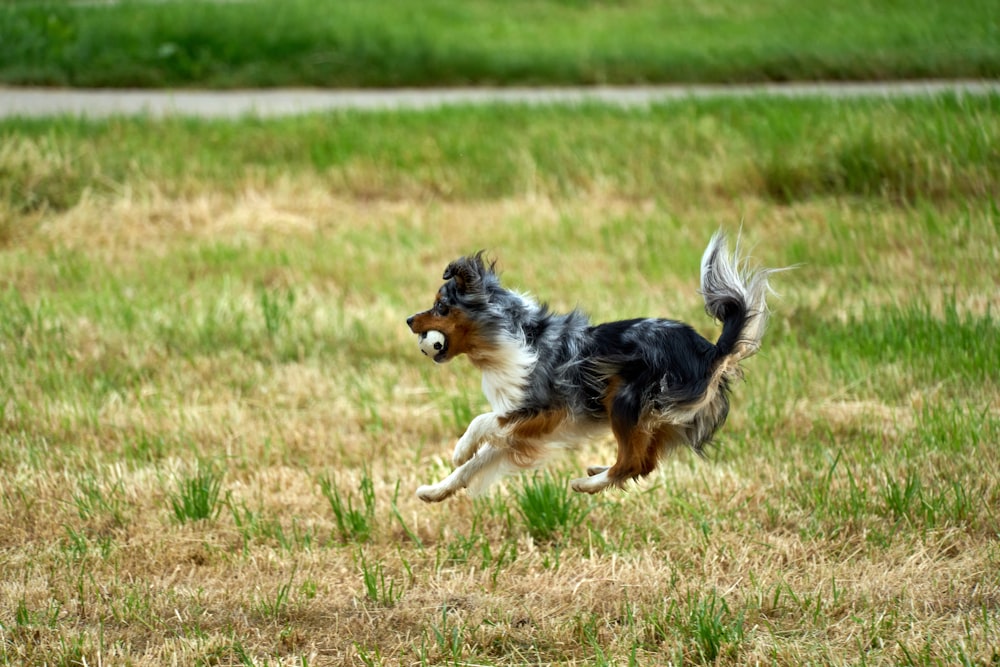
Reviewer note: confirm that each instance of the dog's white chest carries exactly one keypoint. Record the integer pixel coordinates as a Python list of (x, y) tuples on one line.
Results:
[(503, 398), (505, 380)]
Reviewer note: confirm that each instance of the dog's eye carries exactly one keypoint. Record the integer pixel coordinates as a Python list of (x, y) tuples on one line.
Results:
[(441, 308)]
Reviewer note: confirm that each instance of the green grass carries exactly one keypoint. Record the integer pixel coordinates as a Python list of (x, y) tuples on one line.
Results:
[(379, 589), (549, 512), (940, 148), (235, 292), (953, 348), (396, 43), (197, 495), (354, 523)]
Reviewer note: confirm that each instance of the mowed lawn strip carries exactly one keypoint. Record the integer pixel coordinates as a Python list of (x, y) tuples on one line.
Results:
[(214, 418), (355, 43)]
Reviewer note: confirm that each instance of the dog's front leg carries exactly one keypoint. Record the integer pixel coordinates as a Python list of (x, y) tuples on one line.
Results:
[(475, 435), (488, 462)]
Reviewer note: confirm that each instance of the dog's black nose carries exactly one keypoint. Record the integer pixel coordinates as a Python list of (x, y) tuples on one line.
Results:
[(409, 321)]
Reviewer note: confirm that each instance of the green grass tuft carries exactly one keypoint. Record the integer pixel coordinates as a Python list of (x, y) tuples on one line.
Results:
[(548, 510), (197, 495), (354, 523), (379, 589)]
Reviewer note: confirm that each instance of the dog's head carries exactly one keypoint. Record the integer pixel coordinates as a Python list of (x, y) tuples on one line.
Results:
[(461, 309)]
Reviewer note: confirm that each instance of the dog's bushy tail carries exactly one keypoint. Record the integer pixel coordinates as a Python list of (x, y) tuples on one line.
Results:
[(735, 294)]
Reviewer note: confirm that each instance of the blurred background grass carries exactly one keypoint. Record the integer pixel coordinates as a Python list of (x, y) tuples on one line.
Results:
[(942, 148)]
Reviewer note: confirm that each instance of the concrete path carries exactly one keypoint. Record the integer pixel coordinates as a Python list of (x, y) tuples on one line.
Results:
[(277, 102)]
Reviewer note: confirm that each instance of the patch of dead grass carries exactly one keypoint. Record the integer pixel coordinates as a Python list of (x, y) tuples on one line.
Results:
[(121, 228)]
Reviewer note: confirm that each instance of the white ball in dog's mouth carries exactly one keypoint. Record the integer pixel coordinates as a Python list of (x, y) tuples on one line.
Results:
[(432, 342)]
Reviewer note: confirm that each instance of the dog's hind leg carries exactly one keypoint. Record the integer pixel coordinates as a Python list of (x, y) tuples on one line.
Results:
[(477, 473), (636, 458), (636, 451)]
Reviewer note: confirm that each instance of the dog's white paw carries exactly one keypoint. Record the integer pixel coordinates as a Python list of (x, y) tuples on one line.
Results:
[(596, 470), (593, 484), (433, 493)]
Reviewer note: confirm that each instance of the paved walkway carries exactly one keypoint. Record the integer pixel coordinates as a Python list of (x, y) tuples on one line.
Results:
[(277, 102)]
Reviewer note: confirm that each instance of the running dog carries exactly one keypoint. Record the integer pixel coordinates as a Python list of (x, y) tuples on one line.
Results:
[(554, 380)]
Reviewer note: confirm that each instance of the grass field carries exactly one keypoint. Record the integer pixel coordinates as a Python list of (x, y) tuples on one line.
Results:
[(214, 419), (490, 42)]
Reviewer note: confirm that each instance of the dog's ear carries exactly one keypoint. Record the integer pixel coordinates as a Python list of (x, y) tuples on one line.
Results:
[(470, 274), (464, 273)]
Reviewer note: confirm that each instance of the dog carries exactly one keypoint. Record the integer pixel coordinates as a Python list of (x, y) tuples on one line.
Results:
[(555, 380)]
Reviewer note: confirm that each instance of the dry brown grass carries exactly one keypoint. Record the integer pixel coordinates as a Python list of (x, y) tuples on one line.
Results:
[(786, 548)]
